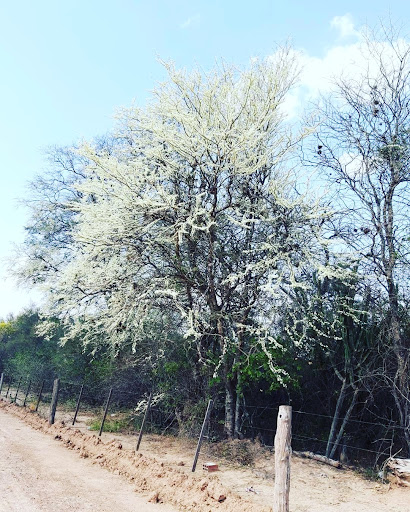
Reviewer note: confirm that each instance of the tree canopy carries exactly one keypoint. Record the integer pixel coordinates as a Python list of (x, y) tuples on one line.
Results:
[(196, 214), (195, 211)]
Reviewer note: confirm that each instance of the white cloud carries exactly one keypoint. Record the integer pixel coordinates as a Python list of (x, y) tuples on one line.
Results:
[(318, 74), (193, 20), (344, 24), (350, 61)]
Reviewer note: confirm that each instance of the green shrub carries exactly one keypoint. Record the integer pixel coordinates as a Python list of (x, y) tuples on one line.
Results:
[(110, 425)]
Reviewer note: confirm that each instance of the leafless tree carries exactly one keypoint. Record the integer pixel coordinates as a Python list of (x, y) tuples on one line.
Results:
[(363, 146)]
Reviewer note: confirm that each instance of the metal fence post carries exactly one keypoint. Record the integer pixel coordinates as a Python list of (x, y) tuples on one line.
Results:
[(143, 420), (27, 392), (8, 387), (105, 412), (78, 403), (39, 395), (54, 400), (18, 389), (201, 435)]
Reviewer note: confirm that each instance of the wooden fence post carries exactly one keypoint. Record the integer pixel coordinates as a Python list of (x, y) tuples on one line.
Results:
[(105, 412), (78, 403), (201, 435), (144, 420), (27, 392), (39, 395), (54, 400), (1, 381), (282, 459)]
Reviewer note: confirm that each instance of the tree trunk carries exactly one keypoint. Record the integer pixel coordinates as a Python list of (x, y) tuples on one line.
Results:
[(229, 407), (335, 420), (407, 438), (237, 413), (400, 382), (343, 425)]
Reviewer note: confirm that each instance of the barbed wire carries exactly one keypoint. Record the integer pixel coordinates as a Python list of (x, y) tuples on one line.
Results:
[(302, 438), (351, 420), (21, 389)]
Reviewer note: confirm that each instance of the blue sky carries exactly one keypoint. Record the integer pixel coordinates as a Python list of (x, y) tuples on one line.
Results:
[(67, 66)]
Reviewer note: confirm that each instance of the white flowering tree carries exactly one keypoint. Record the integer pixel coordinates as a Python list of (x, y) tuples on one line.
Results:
[(49, 240), (195, 212)]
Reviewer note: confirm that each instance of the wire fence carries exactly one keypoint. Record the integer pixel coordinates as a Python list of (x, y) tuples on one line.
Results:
[(121, 409)]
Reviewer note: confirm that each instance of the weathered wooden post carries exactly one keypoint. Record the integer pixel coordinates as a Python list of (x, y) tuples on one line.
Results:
[(78, 403), (54, 400), (201, 435), (18, 389), (105, 412), (144, 420), (1, 381), (27, 392), (39, 395), (282, 459)]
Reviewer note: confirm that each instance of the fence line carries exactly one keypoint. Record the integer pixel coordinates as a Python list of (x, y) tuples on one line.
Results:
[(351, 420), (303, 438), (38, 390), (157, 421)]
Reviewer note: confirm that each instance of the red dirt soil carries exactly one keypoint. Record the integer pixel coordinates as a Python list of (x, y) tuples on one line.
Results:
[(162, 473)]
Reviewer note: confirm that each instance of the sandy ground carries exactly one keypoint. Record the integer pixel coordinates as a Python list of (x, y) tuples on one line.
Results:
[(37, 474), (162, 473)]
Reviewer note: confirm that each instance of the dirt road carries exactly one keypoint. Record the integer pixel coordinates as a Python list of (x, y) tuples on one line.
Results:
[(39, 475), (45, 468)]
